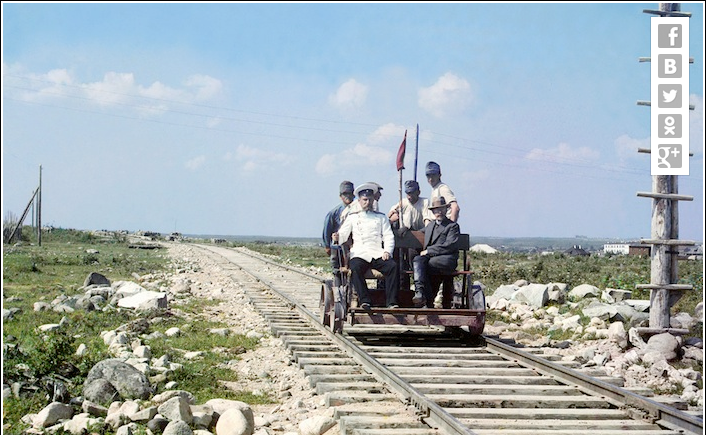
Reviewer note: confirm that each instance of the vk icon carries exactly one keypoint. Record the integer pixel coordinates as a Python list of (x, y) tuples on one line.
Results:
[(669, 36), (669, 125), (669, 156), (669, 96), (669, 66)]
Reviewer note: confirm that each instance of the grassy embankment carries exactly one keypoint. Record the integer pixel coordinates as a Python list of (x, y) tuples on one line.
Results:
[(59, 267)]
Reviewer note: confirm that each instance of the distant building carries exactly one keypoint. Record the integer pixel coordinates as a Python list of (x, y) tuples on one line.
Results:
[(577, 251), (640, 250), (691, 252), (616, 248), (627, 249)]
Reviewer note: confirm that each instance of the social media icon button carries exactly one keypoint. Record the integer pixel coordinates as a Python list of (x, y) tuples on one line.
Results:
[(669, 66), (669, 96), (669, 125), (669, 156), (669, 35)]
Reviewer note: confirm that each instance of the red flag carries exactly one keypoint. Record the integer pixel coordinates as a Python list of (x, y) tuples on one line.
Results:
[(400, 153)]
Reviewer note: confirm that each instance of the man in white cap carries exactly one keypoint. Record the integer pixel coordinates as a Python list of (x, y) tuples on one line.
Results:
[(373, 246), (439, 255), (377, 193)]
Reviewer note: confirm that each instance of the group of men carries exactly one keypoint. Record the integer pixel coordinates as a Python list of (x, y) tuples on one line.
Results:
[(369, 235)]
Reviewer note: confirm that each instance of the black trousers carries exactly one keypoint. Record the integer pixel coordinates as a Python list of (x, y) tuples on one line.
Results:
[(388, 268)]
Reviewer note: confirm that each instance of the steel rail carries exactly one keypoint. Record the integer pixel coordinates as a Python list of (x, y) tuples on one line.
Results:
[(436, 416), (667, 415), (431, 413)]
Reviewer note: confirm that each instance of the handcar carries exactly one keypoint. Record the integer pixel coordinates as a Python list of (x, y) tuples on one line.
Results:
[(463, 301)]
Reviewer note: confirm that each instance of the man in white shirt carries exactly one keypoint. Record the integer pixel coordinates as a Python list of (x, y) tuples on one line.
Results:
[(415, 214), (373, 246), (439, 189)]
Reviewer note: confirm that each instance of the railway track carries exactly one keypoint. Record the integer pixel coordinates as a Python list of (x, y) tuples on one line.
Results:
[(408, 380)]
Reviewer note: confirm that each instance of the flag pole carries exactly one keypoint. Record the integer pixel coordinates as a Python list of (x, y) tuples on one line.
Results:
[(400, 212), (400, 167), (416, 153)]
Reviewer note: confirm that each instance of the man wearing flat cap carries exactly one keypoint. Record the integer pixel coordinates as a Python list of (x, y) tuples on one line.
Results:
[(439, 189), (373, 246), (415, 214), (332, 223), (439, 255)]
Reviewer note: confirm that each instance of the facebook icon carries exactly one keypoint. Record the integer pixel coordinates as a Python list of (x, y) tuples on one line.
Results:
[(669, 36)]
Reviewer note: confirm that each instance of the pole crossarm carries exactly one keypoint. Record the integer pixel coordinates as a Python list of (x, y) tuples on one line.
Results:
[(648, 59), (671, 242), (667, 13), (672, 196), (649, 151), (648, 103), (665, 286)]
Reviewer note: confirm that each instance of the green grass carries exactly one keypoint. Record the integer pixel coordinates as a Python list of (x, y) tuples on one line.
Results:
[(493, 270), (34, 273)]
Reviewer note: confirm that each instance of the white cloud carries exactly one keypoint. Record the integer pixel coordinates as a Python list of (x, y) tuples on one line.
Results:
[(206, 87), (626, 147), (195, 163), (360, 155), (253, 159), (386, 133), (114, 89), (449, 94), (350, 94), (379, 149), (326, 165), (563, 153)]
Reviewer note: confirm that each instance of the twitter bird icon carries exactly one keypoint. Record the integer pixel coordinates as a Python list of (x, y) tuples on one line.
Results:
[(669, 95)]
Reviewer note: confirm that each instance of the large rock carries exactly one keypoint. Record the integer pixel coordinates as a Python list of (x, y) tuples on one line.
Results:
[(95, 278), (129, 382)]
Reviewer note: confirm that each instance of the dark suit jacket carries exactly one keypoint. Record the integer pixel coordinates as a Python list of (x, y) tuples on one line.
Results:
[(443, 243)]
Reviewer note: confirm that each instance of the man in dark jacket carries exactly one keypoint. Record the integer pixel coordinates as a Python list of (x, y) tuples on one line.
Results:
[(440, 254), (332, 223)]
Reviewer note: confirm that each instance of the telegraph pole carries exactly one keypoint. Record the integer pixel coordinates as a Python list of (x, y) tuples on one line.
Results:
[(664, 236), (39, 209)]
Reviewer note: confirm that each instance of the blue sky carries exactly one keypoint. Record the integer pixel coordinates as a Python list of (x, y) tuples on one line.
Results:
[(242, 119)]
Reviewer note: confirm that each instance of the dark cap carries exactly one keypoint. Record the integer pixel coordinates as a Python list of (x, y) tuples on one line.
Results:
[(346, 187), (433, 168), (438, 203), (411, 186)]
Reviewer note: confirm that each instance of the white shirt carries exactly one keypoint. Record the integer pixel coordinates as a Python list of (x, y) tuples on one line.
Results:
[(372, 234), (413, 215), (442, 189)]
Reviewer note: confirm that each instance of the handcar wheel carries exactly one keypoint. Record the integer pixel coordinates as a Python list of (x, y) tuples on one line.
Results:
[(340, 307), (339, 316), (326, 303)]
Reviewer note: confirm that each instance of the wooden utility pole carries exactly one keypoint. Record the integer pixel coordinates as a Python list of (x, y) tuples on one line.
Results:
[(39, 209), (664, 236)]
